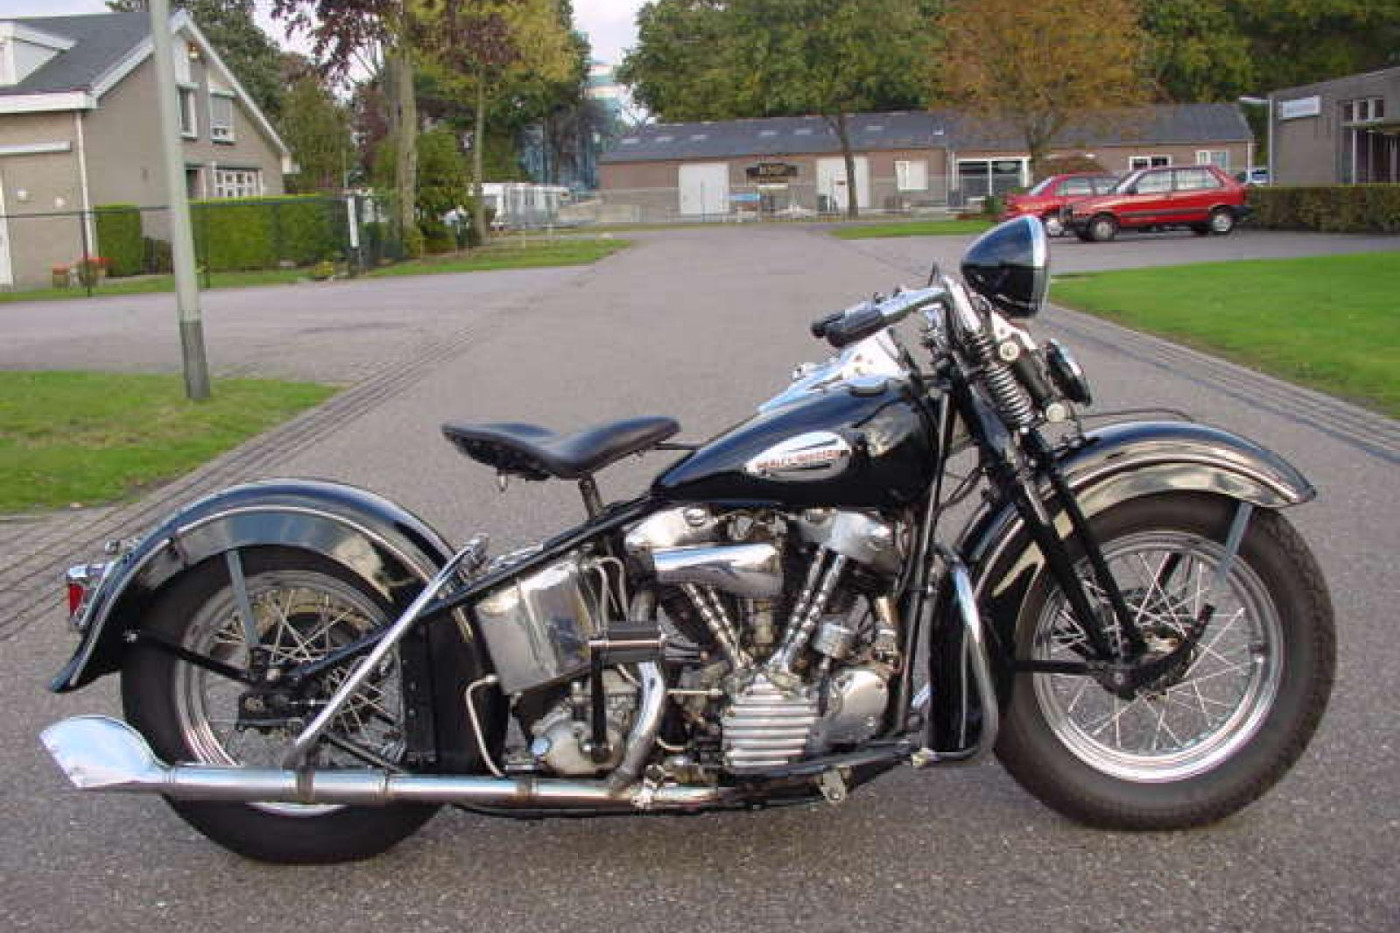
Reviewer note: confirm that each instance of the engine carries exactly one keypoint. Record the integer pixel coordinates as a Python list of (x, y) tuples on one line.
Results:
[(794, 635)]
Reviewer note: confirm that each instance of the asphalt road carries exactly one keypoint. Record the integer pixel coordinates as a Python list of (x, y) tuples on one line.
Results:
[(704, 324)]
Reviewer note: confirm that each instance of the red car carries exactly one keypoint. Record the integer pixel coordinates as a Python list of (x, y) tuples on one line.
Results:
[(1200, 197), (1049, 197)]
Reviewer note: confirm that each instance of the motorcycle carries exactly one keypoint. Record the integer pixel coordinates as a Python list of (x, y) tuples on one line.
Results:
[(309, 671)]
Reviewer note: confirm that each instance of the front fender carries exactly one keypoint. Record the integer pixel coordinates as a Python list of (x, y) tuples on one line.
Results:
[(388, 547), (1111, 466)]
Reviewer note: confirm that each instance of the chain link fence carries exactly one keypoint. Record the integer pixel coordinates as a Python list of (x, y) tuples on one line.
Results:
[(121, 247), (757, 202)]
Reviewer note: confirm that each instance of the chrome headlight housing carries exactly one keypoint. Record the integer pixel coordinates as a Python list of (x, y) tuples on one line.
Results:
[(1009, 265)]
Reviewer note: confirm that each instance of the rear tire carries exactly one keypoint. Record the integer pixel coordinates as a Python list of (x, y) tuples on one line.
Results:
[(1103, 228), (1220, 733), (184, 711)]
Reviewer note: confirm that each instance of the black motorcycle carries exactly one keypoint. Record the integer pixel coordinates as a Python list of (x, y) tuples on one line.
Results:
[(1127, 617)]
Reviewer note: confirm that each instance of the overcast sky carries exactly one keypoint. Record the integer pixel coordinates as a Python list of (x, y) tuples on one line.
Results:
[(609, 24)]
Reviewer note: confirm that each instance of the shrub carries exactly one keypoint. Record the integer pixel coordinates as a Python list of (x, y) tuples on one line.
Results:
[(156, 258), (1329, 209), (119, 237), (261, 233)]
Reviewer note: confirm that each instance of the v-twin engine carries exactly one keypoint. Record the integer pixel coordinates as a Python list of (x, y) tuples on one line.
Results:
[(793, 614)]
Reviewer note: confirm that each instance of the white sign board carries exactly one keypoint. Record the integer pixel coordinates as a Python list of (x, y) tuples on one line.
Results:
[(1302, 107)]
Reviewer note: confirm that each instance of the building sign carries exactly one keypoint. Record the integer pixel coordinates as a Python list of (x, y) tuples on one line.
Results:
[(771, 173), (1302, 107)]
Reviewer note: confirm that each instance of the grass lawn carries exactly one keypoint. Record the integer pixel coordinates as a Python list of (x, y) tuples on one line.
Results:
[(911, 228), (1329, 322), (500, 254), (79, 437), (511, 254)]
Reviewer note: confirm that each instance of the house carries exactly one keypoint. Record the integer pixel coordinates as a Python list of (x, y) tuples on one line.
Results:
[(903, 160), (1340, 132), (80, 127)]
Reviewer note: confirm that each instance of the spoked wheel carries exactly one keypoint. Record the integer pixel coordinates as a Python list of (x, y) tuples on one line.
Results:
[(303, 608), (1220, 729)]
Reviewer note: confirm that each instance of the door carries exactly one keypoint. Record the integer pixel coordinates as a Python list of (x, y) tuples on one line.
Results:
[(7, 277), (831, 182), (704, 189)]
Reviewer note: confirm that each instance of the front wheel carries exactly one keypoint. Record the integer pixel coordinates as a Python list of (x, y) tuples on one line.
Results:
[(1210, 737), (1222, 221), (303, 606), (1103, 228)]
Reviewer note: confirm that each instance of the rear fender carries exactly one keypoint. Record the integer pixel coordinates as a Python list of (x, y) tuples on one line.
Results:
[(387, 547), (1112, 465)]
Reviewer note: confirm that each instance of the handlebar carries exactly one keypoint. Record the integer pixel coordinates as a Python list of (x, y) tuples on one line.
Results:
[(870, 317)]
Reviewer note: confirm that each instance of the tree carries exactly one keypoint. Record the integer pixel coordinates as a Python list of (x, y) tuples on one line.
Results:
[(442, 182), (316, 127), (1295, 42), (708, 60), (250, 53), (1015, 61), (486, 46), (378, 35), (1196, 50)]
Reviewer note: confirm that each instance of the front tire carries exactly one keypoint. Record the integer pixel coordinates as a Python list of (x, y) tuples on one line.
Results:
[(304, 605), (1203, 743), (1222, 221)]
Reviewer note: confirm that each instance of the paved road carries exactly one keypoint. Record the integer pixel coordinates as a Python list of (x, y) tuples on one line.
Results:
[(703, 324)]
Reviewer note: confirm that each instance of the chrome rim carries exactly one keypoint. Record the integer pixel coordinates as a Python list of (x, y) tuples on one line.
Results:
[(1221, 222), (300, 615), (1053, 227), (1103, 229), (1196, 720)]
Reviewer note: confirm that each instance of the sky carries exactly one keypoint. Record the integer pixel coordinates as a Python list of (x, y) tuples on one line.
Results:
[(609, 24)]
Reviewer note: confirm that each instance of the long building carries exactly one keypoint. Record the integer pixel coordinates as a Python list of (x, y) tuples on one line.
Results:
[(905, 161)]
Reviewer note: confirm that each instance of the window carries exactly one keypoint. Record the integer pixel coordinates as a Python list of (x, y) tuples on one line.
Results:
[(1363, 110), (189, 122), (1220, 158), (1153, 183), (221, 118), (911, 175), (1195, 179), (1148, 161), (237, 183), (1075, 187)]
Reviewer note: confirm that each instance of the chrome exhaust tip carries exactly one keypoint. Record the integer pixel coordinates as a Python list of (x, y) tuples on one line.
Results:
[(101, 753)]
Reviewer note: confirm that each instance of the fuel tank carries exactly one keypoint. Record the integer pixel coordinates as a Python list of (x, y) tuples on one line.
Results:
[(851, 446)]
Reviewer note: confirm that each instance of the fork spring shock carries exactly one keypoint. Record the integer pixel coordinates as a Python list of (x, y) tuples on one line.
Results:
[(1012, 400)]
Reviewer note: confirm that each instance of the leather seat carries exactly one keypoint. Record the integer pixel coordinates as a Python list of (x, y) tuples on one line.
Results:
[(534, 452)]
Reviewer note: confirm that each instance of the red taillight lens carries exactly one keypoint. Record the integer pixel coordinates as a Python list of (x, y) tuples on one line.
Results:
[(76, 592)]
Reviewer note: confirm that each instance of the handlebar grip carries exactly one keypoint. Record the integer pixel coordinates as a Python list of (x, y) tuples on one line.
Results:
[(820, 325), (855, 325)]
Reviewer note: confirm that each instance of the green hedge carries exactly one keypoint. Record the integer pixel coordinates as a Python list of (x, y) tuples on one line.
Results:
[(1330, 209), (263, 233), (119, 237)]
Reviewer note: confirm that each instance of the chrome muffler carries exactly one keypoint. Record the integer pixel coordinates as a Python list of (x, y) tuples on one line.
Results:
[(99, 753)]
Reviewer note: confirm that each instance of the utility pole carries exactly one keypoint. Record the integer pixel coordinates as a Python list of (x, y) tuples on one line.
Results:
[(196, 365)]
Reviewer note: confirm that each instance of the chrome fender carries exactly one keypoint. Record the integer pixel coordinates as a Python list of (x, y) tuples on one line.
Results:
[(386, 546), (1110, 466)]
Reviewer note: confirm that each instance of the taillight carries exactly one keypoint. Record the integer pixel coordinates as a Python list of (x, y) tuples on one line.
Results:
[(82, 582)]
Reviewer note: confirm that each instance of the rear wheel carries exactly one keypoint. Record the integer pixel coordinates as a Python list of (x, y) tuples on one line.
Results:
[(304, 606), (1210, 737), (1103, 228), (1053, 225)]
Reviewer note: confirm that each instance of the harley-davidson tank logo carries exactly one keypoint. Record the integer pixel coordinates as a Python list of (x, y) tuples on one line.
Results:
[(812, 456)]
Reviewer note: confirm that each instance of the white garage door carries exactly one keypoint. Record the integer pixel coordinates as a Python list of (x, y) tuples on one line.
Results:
[(831, 181), (704, 188)]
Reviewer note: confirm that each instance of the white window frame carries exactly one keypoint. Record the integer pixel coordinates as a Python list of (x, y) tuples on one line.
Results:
[(1148, 161), (238, 182), (218, 132), (911, 174), (189, 111), (1220, 158)]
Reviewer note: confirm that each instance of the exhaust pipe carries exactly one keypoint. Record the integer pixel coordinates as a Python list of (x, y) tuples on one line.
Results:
[(103, 754)]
